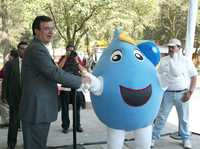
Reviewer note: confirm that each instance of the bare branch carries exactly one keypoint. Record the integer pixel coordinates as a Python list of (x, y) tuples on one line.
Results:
[(82, 34), (68, 32), (54, 19), (74, 33), (177, 32), (86, 19)]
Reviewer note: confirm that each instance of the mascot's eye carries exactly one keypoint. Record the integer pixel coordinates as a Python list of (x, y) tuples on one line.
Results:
[(138, 55), (116, 56)]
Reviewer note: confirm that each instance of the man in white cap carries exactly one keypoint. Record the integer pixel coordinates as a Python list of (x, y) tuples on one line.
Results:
[(180, 76)]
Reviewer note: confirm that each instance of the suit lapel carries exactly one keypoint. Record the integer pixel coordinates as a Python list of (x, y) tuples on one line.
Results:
[(45, 49)]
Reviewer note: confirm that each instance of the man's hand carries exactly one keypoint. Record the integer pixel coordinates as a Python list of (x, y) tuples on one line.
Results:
[(186, 96), (92, 83)]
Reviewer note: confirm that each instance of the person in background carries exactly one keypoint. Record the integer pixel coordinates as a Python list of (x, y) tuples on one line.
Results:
[(40, 75), (71, 63), (13, 93), (180, 76), (10, 56), (4, 108)]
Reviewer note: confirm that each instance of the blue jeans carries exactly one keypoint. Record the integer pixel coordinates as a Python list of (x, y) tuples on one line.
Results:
[(182, 108)]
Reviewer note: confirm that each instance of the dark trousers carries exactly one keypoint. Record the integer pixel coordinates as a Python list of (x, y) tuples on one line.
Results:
[(65, 97), (14, 124), (35, 135)]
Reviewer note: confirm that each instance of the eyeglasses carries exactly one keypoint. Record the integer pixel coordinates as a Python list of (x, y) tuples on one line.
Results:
[(47, 29)]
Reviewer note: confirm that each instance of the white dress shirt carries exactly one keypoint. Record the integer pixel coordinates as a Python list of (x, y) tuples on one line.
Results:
[(176, 71)]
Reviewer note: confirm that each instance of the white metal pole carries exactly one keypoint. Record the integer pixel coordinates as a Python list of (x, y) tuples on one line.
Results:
[(191, 24)]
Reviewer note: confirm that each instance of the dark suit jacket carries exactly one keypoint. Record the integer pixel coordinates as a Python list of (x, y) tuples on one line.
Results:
[(13, 83), (40, 76)]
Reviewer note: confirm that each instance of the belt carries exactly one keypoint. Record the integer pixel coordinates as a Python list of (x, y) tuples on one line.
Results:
[(69, 89), (176, 91)]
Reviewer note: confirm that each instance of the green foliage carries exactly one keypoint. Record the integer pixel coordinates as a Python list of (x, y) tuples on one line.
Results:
[(132, 16), (171, 23), (72, 17), (84, 22), (18, 18)]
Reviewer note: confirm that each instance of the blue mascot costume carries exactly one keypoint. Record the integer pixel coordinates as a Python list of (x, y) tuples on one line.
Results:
[(126, 92)]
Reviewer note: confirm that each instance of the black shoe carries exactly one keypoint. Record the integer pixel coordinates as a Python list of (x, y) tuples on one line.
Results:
[(65, 130), (4, 125), (11, 147), (79, 129)]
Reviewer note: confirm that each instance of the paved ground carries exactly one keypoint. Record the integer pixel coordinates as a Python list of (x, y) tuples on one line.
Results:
[(94, 135)]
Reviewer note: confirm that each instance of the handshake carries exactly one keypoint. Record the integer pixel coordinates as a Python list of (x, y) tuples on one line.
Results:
[(92, 83)]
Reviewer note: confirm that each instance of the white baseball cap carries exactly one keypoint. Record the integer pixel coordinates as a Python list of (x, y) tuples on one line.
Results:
[(174, 42)]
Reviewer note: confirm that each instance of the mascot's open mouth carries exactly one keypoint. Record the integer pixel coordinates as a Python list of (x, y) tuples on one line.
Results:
[(135, 97)]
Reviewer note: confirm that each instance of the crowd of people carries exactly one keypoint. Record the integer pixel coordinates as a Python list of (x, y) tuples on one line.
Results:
[(30, 88)]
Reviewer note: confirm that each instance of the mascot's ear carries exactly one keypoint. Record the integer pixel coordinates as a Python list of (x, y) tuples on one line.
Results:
[(151, 51)]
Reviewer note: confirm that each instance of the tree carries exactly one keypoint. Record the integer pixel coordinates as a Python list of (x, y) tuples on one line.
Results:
[(83, 22), (131, 15), (72, 16), (10, 24), (172, 21)]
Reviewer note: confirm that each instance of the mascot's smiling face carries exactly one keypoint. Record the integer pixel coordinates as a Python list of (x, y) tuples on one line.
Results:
[(131, 94)]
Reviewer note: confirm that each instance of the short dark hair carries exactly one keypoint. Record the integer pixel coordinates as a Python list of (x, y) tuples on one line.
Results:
[(21, 43), (14, 53), (70, 45), (38, 20)]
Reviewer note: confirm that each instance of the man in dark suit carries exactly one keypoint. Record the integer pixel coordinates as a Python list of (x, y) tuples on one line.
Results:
[(13, 93), (40, 76), (4, 108)]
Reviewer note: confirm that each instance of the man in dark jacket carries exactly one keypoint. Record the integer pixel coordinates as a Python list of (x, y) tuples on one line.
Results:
[(4, 108), (40, 76), (13, 93)]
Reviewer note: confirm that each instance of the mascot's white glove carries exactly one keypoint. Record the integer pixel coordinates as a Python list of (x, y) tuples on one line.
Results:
[(96, 86)]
